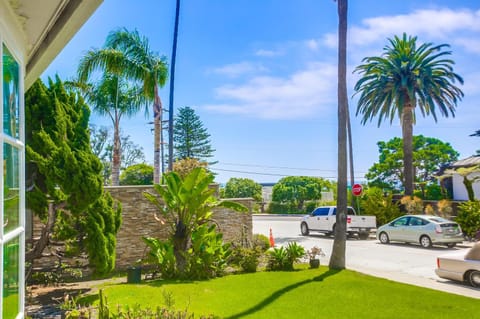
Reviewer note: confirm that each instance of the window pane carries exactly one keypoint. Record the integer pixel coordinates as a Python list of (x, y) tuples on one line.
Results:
[(11, 296), (11, 94), (11, 203)]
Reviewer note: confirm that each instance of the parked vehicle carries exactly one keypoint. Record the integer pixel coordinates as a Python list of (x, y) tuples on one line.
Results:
[(323, 220), (424, 229), (462, 265)]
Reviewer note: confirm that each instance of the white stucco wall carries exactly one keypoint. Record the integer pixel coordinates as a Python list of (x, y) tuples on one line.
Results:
[(459, 190)]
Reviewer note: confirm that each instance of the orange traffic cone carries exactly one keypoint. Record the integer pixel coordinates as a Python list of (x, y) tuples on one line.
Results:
[(272, 241)]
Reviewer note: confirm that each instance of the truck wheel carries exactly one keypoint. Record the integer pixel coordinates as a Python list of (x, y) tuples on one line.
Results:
[(304, 229), (363, 235)]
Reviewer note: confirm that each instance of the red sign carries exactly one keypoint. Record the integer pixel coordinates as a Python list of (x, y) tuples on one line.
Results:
[(357, 190)]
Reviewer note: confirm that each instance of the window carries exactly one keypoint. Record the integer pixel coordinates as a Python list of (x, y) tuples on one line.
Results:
[(400, 222), (13, 187), (11, 94), (321, 211)]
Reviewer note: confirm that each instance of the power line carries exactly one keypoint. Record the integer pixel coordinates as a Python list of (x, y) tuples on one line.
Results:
[(280, 167), (269, 174)]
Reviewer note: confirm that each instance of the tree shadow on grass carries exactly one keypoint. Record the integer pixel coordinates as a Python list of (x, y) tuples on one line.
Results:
[(267, 301)]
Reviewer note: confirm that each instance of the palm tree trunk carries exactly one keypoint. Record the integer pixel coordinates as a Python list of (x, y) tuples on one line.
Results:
[(407, 135), (116, 156), (337, 259), (157, 141), (172, 89)]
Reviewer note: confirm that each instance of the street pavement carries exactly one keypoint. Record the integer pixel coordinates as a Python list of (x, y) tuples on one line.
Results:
[(404, 263)]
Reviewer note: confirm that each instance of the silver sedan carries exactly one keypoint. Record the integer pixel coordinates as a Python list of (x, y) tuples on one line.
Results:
[(461, 266), (424, 229)]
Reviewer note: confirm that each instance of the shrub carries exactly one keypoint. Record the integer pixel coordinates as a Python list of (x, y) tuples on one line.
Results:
[(469, 217), (246, 258), (429, 210), (283, 258), (374, 202), (444, 208), (260, 241), (161, 256), (208, 255), (412, 204)]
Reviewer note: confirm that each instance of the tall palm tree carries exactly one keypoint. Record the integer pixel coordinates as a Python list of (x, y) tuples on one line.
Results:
[(113, 97), (127, 53), (172, 89), (403, 78), (337, 259)]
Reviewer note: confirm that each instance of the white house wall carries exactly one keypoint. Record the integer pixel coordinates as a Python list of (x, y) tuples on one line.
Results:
[(459, 190)]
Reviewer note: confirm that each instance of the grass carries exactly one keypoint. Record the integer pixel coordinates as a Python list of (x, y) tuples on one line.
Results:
[(307, 293)]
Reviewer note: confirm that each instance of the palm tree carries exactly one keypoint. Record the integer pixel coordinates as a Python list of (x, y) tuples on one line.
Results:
[(172, 89), (337, 259), (128, 54), (404, 78), (114, 97)]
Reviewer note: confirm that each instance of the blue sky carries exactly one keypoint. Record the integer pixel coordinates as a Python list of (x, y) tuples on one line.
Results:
[(262, 75)]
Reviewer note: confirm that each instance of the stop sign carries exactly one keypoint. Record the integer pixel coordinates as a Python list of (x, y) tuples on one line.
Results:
[(357, 190)]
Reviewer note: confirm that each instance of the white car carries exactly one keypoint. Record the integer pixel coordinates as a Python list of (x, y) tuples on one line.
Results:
[(427, 230), (462, 265)]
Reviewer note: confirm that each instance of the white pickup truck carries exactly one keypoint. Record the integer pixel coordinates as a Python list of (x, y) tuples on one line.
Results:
[(323, 220)]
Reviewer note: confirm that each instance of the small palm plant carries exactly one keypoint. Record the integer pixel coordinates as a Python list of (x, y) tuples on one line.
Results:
[(187, 203)]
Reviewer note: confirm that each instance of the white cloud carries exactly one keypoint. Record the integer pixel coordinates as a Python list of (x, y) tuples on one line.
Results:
[(306, 93), (237, 69), (268, 53), (430, 23)]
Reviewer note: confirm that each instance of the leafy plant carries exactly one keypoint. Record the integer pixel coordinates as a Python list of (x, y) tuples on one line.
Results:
[(412, 204), (246, 258), (208, 255), (188, 203), (283, 258), (161, 256), (261, 242), (375, 202), (469, 217), (444, 208)]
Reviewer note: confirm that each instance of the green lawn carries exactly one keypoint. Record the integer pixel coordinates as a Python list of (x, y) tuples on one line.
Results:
[(308, 293)]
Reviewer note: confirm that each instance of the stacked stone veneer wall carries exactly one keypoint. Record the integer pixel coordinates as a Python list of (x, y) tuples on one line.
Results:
[(138, 220), (138, 216)]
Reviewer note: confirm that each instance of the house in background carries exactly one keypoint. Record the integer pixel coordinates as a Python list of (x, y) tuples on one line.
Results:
[(459, 189), (32, 33)]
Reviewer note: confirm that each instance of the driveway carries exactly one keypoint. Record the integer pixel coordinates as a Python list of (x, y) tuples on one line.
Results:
[(410, 264)]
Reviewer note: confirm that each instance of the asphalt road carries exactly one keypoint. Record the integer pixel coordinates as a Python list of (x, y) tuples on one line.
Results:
[(405, 263)]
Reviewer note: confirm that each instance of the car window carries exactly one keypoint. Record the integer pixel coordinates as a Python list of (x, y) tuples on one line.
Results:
[(321, 211), (415, 221), (400, 222)]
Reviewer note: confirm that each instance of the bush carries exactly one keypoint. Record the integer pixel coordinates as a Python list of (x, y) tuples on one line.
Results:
[(208, 255), (374, 202), (246, 258), (283, 258), (444, 208), (161, 257), (469, 217), (412, 204), (260, 241)]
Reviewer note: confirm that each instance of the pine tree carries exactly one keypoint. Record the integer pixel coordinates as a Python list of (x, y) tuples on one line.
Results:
[(191, 139), (64, 179)]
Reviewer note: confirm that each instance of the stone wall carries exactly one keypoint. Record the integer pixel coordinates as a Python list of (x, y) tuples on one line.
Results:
[(138, 220), (138, 216)]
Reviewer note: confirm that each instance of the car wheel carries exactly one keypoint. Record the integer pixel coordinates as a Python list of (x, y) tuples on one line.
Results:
[(474, 278), (451, 245), (304, 229), (425, 241), (384, 238)]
